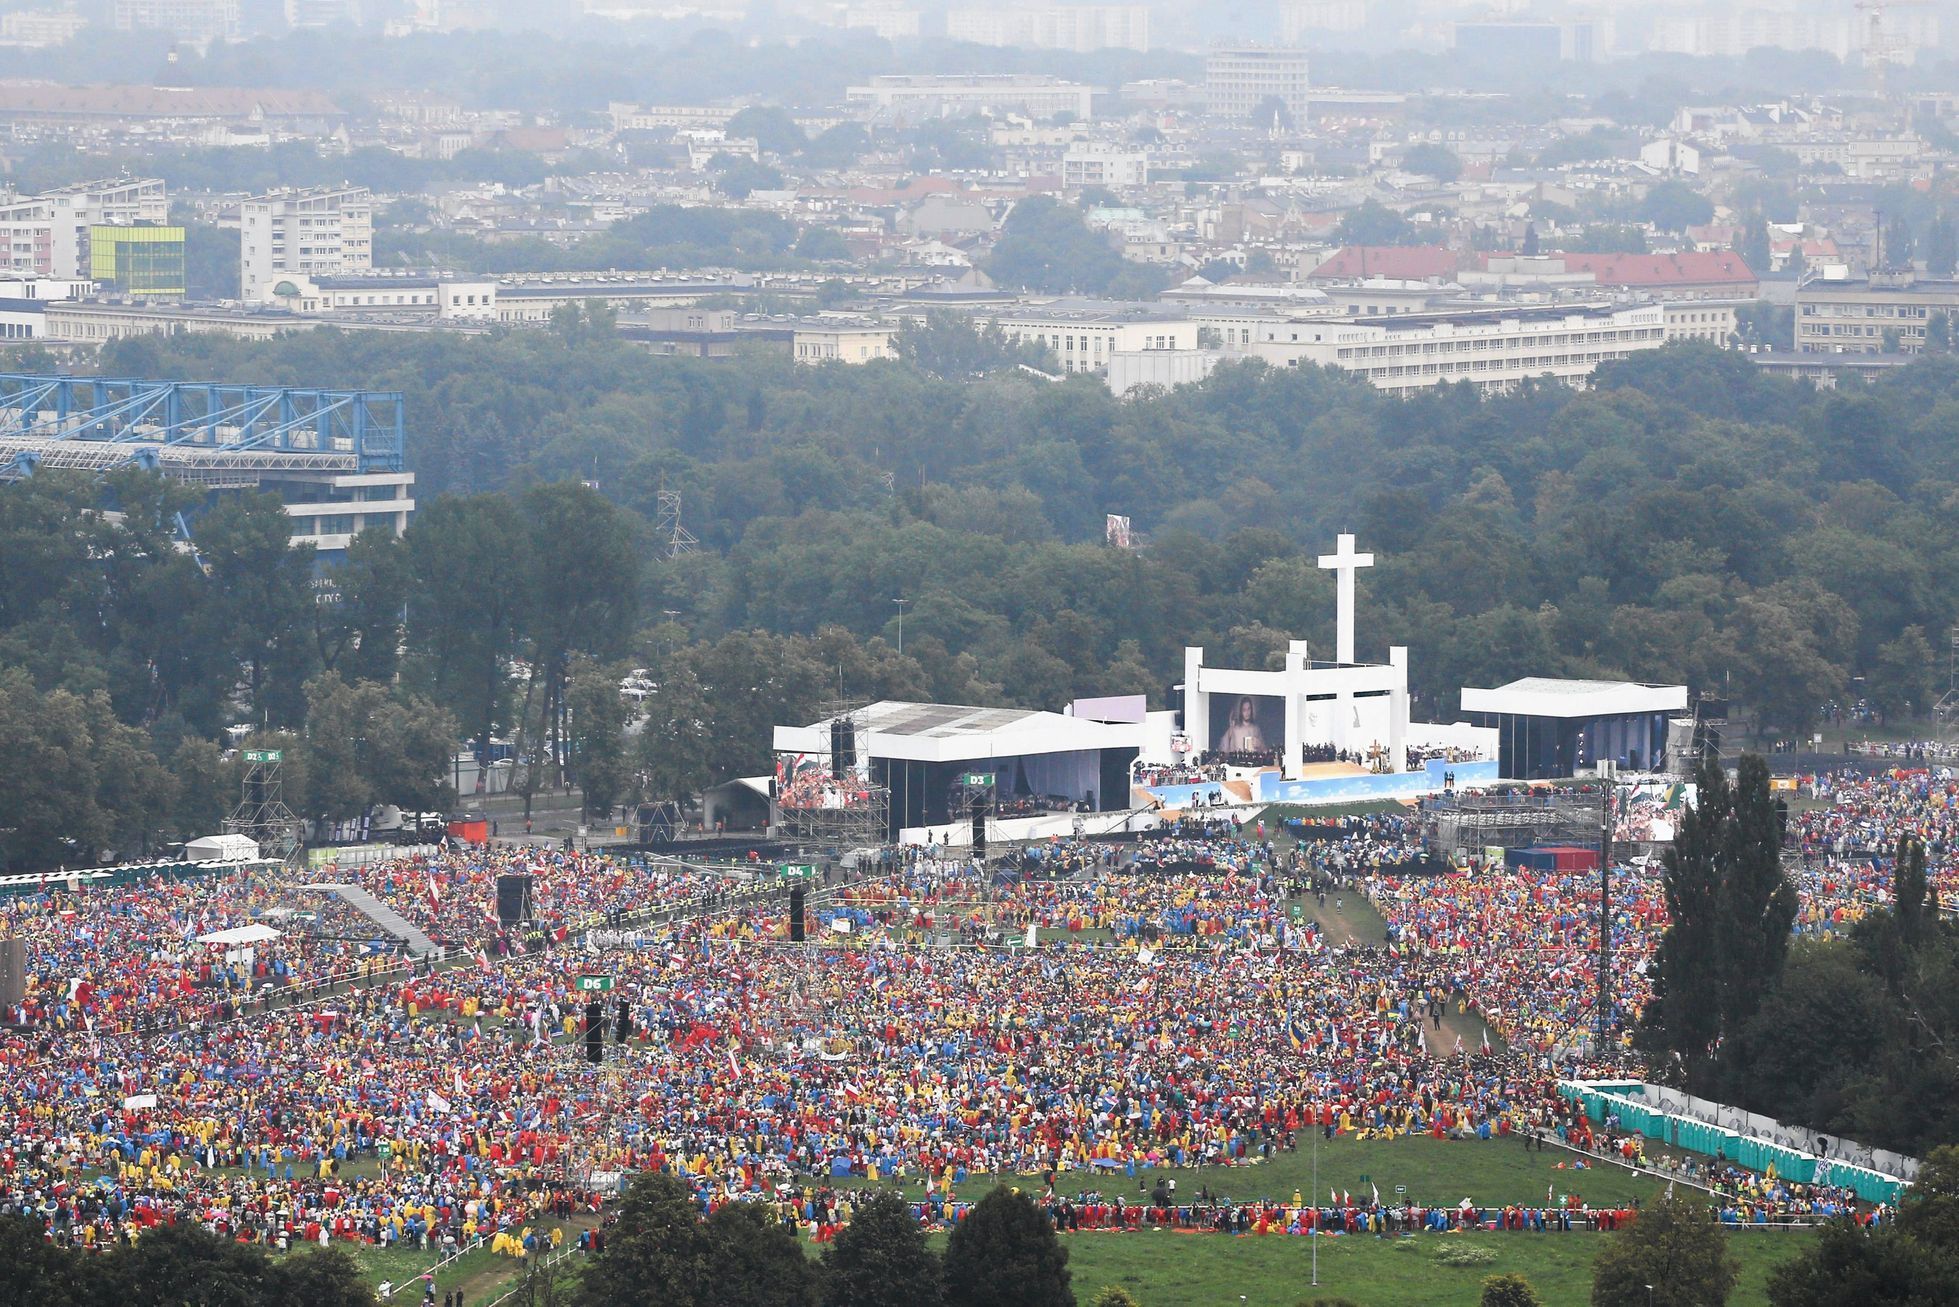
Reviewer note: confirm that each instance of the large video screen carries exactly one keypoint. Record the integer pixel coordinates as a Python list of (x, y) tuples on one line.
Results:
[(1248, 724)]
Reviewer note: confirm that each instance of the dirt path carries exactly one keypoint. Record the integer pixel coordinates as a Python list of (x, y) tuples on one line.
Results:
[(1348, 918)]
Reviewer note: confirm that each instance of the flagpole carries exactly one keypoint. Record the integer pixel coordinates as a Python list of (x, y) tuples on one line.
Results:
[(1315, 1240)]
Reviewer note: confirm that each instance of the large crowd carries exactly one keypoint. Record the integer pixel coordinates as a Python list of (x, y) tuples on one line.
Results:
[(1176, 1010)]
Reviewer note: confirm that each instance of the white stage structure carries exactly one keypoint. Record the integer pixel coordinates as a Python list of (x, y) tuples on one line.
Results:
[(1358, 708)]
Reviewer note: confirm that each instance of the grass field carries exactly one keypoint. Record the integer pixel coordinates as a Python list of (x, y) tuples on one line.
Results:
[(1200, 1270), (1430, 1171)]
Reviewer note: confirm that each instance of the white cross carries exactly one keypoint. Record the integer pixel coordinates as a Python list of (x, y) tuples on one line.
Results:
[(1342, 563)]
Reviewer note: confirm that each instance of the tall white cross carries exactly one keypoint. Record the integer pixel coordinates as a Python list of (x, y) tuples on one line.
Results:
[(1342, 563)]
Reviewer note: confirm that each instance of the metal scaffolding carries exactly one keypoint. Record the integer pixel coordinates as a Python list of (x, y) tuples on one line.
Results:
[(262, 814), (1528, 819), (833, 801), (196, 430)]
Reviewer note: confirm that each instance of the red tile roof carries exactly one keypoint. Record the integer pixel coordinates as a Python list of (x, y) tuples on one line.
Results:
[(1720, 266)]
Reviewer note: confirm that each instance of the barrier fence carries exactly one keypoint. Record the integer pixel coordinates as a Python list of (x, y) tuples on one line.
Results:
[(1627, 1101)]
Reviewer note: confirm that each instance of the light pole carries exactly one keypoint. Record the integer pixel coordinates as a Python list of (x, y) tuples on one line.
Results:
[(901, 624), (1314, 1239)]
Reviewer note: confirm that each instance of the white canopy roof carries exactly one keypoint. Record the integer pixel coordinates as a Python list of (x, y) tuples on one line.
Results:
[(221, 848), (252, 934), (1545, 696)]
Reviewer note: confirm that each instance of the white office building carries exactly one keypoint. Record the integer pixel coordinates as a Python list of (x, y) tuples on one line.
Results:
[(318, 233), (1104, 165), (1238, 80), (1493, 349), (1085, 340)]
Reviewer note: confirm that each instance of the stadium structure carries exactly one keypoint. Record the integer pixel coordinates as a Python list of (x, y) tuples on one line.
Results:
[(333, 457)]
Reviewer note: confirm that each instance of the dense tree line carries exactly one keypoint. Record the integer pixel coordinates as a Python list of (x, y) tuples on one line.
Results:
[(661, 1253), (170, 1265), (1685, 519), (1849, 1036)]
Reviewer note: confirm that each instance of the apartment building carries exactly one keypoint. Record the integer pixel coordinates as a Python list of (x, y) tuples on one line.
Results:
[(328, 232), (1709, 320), (1238, 80), (1104, 165), (1084, 340), (1881, 315), (843, 342), (48, 234), (1493, 349), (1080, 28)]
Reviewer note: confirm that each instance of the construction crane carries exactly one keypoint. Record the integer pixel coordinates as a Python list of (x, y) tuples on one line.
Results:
[(1883, 44)]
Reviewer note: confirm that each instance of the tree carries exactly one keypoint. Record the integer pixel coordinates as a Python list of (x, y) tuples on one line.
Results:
[(1681, 1019), (822, 245), (656, 1255), (1270, 114), (260, 602), (1902, 679), (357, 620), (1529, 248), (1753, 247), (1045, 245), (953, 347), (1909, 1262), (1509, 1291), (1675, 206), (1757, 900), (881, 1259), (316, 1277), (369, 744), (469, 560), (597, 733), (183, 1263), (1941, 247), (1431, 160), (770, 126), (740, 176), (753, 1261), (1373, 223), (676, 741), (73, 780), (1673, 1256), (1897, 243), (1005, 1253), (1113, 1295)]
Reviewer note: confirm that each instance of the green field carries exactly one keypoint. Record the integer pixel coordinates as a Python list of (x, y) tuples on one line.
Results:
[(1432, 1172), (1198, 1270)]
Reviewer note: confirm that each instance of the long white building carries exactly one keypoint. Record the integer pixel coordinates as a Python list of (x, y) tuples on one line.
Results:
[(1238, 80), (1493, 349), (318, 233)]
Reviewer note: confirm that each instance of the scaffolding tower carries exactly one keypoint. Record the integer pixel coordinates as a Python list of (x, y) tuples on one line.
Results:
[(834, 801), (262, 815), (1531, 819)]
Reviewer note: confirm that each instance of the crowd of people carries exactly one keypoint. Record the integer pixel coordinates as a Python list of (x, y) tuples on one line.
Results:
[(1176, 1011)]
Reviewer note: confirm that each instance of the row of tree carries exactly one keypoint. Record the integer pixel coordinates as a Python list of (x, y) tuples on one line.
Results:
[(1850, 1036)]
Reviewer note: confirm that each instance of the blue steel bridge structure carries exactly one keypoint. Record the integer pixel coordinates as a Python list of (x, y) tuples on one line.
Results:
[(212, 434)]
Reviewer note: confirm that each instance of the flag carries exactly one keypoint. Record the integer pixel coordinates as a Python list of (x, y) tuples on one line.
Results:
[(734, 1067), (435, 895), (457, 1088), (1377, 1192), (483, 957), (1486, 1039), (437, 1103), (1030, 934)]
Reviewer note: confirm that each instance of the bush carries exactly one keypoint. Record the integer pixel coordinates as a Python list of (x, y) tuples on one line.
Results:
[(1464, 1254)]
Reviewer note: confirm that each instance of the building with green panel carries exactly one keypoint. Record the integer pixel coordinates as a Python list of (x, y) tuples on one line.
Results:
[(138, 260)]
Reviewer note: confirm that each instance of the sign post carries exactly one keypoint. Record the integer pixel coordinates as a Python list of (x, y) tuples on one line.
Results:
[(594, 984)]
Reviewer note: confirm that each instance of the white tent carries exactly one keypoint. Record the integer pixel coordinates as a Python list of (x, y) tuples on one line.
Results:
[(221, 848), (236, 935)]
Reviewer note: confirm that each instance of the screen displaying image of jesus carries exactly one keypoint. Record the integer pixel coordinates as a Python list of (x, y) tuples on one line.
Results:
[(1248, 723)]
